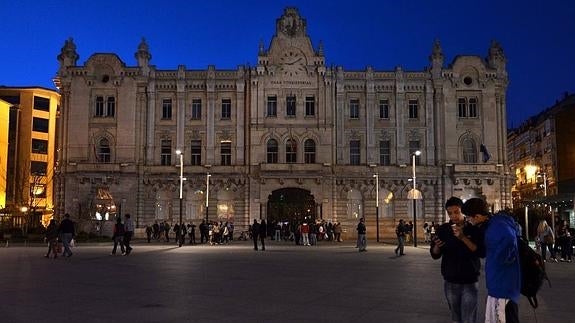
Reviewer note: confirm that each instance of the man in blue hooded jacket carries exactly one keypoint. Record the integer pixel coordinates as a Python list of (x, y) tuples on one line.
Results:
[(502, 268)]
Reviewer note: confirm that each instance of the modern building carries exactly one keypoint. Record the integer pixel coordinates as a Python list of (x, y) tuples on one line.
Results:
[(28, 118), (288, 139), (541, 156)]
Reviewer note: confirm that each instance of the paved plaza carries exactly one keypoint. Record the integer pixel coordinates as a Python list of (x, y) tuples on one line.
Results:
[(234, 283)]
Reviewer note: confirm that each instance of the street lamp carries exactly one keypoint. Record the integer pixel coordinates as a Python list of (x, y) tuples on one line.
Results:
[(544, 175), (376, 206), (415, 195), (207, 194), (179, 153)]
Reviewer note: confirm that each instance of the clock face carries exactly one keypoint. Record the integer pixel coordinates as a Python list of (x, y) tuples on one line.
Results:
[(292, 62)]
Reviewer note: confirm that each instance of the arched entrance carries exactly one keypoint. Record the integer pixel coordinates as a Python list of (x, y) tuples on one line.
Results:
[(293, 205)]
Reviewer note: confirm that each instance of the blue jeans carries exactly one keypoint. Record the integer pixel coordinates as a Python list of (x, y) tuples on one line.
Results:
[(400, 244), (462, 301), (66, 238), (361, 242)]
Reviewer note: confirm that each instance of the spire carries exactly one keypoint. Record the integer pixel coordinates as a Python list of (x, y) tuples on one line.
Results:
[(320, 48), (496, 57), (436, 59), (143, 54), (261, 49), (68, 56)]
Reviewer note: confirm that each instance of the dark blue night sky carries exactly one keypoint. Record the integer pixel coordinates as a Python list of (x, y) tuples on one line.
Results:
[(537, 37)]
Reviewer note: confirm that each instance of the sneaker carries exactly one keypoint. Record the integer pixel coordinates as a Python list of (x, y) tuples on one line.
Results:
[(569, 260), (555, 259), (562, 259)]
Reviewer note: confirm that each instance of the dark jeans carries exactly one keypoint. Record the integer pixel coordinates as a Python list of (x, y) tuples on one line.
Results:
[(462, 301), (127, 238), (255, 237), (567, 248), (400, 244), (118, 241), (544, 247)]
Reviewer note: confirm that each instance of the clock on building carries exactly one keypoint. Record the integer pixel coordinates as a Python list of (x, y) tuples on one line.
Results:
[(292, 62)]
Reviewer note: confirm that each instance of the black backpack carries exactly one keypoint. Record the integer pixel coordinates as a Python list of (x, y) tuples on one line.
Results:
[(532, 271)]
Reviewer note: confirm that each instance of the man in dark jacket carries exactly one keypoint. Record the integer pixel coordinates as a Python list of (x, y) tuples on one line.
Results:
[(458, 243), (255, 233), (400, 232), (67, 232)]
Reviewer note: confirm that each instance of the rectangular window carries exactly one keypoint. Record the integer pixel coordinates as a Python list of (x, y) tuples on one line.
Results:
[(40, 124), (196, 109), (413, 147), (309, 106), (196, 152), (37, 190), (166, 109), (111, 107), (413, 107), (40, 146), (290, 106), (226, 109), (473, 107), (384, 153), (462, 107), (41, 103), (99, 108), (272, 106), (354, 109), (38, 168), (384, 109), (354, 152), (166, 152), (226, 153)]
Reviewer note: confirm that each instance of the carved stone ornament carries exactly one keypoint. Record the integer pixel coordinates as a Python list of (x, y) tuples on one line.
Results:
[(291, 24)]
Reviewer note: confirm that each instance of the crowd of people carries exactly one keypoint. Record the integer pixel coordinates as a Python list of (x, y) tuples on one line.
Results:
[(471, 233)]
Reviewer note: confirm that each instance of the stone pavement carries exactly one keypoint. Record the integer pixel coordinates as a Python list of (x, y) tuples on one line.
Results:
[(233, 283)]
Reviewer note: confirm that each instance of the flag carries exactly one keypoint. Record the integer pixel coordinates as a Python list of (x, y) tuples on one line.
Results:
[(485, 153)]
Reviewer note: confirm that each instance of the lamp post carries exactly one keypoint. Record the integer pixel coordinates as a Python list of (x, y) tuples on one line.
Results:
[(179, 153), (376, 206), (207, 194), (415, 196)]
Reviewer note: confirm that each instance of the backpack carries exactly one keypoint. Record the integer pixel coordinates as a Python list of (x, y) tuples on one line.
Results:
[(532, 271)]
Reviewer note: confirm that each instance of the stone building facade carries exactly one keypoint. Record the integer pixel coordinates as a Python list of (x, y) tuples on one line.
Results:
[(287, 139)]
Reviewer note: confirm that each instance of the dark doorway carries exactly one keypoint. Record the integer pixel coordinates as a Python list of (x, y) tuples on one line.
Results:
[(293, 205)]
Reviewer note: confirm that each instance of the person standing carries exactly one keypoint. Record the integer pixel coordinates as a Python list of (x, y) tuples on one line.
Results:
[(546, 239), (192, 232), (129, 233), (52, 238), (502, 267), (400, 232), (118, 236), (361, 239), (149, 233), (457, 244), (263, 234), (564, 238), (255, 233), (67, 232)]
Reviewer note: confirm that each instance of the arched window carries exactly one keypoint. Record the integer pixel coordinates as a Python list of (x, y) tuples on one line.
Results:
[(291, 151), (469, 151), (354, 205), (272, 151), (103, 151), (309, 151)]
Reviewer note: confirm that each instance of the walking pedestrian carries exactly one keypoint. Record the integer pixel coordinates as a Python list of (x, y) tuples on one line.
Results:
[(255, 233), (361, 239), (52, 238), (263, 234), (118, 236), (400, 232), (128, 233), (67, 232)]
